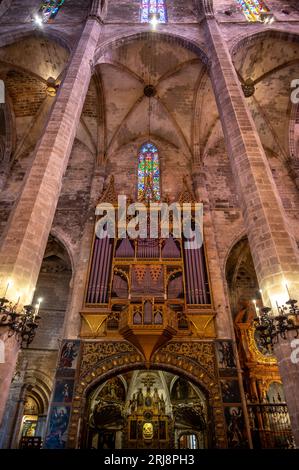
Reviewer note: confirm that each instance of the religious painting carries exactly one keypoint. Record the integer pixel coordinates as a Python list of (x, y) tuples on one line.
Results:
[(275, 393), (57, 428), (68, 357), (63, 391), (29, 426), (236, 430), (30, 406), (226, 358), (230, 391), (182, 390), (113, 391)]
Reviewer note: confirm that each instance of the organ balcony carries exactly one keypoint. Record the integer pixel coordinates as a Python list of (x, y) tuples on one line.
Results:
[(148, 325)]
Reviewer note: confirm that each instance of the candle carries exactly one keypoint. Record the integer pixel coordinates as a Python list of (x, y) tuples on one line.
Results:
[(258, 312), (9, 284), (32, 295), (35, 311), (254, 303), (37, 307), (288, 291), (277, 307)]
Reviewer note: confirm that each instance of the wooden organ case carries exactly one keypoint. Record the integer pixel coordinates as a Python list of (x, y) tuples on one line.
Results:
[(146, 290)]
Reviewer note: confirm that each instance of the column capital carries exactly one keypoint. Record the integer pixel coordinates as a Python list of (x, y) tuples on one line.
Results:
[(98, 10), (198, 175)]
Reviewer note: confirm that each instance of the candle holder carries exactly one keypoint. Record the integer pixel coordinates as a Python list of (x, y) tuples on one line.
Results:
[(21, 322), (273, 327)]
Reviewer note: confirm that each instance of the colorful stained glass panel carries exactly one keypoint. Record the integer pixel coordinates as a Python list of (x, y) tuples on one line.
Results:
[(150, 7), (148, 173), (253, 9), (49, 9)]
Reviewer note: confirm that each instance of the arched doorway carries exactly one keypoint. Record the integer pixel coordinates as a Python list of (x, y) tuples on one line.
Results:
[(146, 409)]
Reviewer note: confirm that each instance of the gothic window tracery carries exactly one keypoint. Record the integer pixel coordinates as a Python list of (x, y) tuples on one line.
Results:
[(153, 7)]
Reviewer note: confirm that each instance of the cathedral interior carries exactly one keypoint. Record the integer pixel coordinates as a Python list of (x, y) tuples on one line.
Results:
[(141, 342)]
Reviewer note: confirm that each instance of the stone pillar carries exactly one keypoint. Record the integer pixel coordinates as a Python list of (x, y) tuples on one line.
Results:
[(223, 317), (288, 363), (26, 234), (272, 244), (72, 320), (273, 247), (224, 321)]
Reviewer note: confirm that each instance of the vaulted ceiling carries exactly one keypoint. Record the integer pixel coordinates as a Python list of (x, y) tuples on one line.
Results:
[(169, 115), (272, 64)]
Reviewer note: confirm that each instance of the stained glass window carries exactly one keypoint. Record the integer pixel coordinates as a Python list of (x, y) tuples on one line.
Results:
[(153, 7), (148, 173), (49, 9), (253, 9)]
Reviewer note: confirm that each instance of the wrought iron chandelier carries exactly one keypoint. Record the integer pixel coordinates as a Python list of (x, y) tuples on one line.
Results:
[(21, 321), (272, 327)]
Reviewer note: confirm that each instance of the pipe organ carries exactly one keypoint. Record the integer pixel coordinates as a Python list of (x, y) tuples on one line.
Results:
[(146, 273)]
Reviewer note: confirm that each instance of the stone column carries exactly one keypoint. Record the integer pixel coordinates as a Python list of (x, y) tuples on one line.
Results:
[(224, 321), (272, 244), (26, 234), (223, 317), (72, 320)]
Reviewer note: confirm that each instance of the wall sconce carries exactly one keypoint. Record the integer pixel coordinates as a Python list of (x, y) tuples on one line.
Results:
[(272, 327), (21, 321)]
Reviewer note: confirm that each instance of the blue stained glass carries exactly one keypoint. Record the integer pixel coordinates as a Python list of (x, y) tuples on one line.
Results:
[(49, 9), (157, 7), (148, 173)]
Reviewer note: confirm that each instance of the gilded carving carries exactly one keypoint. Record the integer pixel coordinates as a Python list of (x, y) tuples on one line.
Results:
[(195, 359), (93, 353), (201, 352), (204, 325), (255, 353)]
